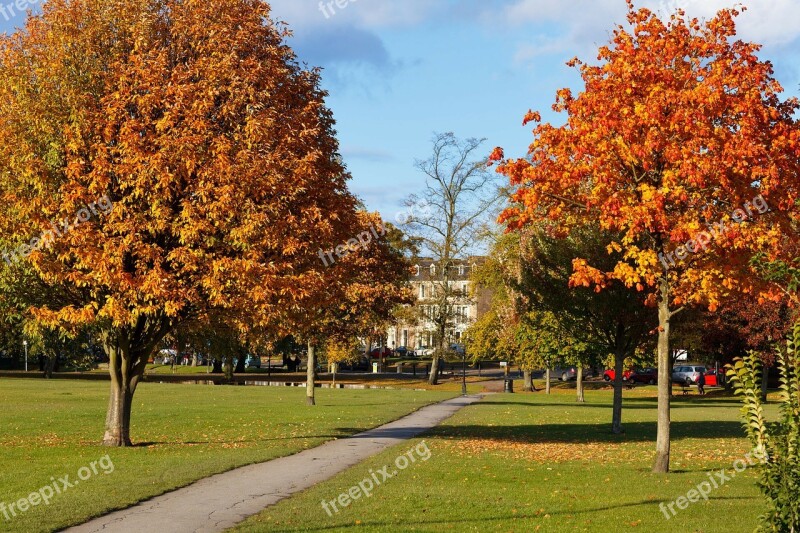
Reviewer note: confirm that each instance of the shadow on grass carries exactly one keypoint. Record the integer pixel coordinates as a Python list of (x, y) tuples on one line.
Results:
[(413, 524), (586, 433), (561, 433), (628, 404)]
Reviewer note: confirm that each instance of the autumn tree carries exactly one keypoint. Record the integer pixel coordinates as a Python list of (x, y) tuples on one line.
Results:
[(339, 350), (363, 284), (448, 218), (172, 162), (680, 143)]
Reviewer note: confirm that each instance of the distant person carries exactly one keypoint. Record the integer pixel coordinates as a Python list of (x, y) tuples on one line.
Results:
[(701, 384)]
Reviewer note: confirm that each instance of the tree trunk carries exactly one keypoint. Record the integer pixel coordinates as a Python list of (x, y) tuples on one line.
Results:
[(118, 418), (579, 384), (229, 367), (310, 374), (616, 416), (547, 381), (217, 366), (125, 369), (764, 382), (528, 384), (661, 465), (368, 352), (241, 361), (128, 349), (433, 379), (50, 365)]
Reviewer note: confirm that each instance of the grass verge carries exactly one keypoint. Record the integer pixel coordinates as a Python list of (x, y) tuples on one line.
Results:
[(185, 432), (531, 462)]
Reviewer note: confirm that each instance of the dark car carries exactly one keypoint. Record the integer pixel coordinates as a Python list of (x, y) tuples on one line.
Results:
[(404, 351), (644, 375), (355, 366), (569, 373)]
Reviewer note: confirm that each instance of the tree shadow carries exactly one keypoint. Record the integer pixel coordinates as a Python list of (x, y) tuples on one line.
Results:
[(440, 523), (589, 433), (628, 403), (148, 444)]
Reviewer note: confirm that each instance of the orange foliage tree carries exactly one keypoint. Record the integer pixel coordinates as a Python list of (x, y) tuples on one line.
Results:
[(212, 149), (364, 279), (679, 141)]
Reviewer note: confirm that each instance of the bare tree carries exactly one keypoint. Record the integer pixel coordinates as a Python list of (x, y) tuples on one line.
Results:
[(449, 219)]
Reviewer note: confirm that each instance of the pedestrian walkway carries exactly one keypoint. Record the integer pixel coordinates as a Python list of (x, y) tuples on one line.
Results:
[(222, 501)]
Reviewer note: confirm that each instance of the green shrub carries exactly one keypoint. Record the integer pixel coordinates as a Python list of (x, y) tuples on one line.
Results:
[(780, 475)]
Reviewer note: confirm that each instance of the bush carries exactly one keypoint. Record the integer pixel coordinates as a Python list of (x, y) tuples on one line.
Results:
[(780, 475)]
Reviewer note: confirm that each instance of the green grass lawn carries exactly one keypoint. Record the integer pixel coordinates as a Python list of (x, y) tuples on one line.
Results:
[(529, 462), (52, 428)]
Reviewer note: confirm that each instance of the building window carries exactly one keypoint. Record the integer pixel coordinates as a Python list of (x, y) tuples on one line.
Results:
[(422, 291), (417, 267), (405, 337), (433, 270), (460, 270)]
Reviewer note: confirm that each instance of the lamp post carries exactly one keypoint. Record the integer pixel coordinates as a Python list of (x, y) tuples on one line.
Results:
[(464, 373), (25, 345)]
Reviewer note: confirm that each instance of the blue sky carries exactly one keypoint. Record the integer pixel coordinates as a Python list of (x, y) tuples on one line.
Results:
[(400, 70)]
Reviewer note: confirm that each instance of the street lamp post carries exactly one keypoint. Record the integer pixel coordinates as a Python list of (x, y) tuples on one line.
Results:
[(464, 373), (25, 345)]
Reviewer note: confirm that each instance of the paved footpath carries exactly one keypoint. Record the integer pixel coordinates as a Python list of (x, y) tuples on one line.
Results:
[(222, 501)]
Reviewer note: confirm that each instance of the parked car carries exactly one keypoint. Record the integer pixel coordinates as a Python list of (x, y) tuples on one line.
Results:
[(644, 375), (687, 375), (570, 373), (714, 380), (424, 351), (611, 374), (404, 351), (361, 365), (164, 357), (458, 349), (252, 361), (376, 352)]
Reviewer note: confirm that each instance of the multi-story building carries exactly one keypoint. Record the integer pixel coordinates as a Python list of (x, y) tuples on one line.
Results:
[(464, 307)]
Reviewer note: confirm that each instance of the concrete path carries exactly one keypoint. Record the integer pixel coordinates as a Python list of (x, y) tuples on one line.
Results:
[(222, 501)]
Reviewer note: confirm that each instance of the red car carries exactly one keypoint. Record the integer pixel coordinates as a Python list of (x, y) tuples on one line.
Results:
[(610, 375), (376, 352), (644, 375), (714, 380)]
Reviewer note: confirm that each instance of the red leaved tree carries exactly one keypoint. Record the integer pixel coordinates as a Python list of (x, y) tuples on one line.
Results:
[(679, 141)]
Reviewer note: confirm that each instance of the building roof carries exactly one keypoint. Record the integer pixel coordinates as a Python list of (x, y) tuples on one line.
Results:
[(461, 268)]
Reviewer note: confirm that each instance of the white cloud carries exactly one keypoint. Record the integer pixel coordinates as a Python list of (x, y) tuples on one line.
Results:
[(587, 24), (772, 22)]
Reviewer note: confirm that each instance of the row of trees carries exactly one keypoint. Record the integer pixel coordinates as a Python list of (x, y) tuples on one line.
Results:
[(217, 158)]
